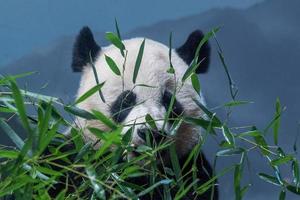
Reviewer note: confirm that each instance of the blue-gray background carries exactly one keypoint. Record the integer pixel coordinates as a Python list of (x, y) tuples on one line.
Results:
[(260, 40)]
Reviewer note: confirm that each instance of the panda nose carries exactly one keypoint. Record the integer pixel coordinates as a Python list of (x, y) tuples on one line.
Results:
[(154, 134)]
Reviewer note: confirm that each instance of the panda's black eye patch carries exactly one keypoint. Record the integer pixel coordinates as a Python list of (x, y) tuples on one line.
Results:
[(177, 108), (122, 106)]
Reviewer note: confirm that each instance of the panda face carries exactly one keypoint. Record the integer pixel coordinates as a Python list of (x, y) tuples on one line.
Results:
[(129, 103)]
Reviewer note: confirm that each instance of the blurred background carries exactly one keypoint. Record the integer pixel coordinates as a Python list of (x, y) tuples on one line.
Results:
[(260, 40)]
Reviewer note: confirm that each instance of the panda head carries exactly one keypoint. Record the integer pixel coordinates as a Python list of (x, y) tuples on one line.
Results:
[(129, 103)]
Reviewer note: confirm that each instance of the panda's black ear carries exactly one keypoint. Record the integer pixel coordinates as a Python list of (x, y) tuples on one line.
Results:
[(188, 49), (84, 46)]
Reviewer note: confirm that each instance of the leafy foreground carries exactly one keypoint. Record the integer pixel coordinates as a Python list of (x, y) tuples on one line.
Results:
[(47, 160)]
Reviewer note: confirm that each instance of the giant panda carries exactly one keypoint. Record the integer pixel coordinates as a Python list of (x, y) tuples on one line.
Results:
[(122, 99)]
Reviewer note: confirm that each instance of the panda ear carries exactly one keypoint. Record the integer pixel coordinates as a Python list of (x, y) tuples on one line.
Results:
[(188, 49), (84, 46)]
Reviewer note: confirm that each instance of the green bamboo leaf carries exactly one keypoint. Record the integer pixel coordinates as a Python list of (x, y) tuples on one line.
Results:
[(96, 77), (207, 125), (282, 160), (230, 152), (175, 164), (7, 110), (195, 63), (43, 123), (237, 181), (143, 149), (236, 103), (89, 93), (229, 137), (77, 138), (83, 151), (117, 29), (105, 120), (204, 40), (209, 184), (11, 134), (211, 115), (262, 144), (138, 61), (112, 65), (98, 189), (8, 154), (244, 190), (127, 136), (98, 133), (270, 179), (195, 82), (151, 122), (282, 195), (171, 69), (175, 126), (79, 112), (296, 174), (254, 133), (277, 121), (61, 195), (293, 189), (47, 138), (115, 40), (190, 70), (17, 183), (49, 171), (152, 187), (182, 194), (6, 79), (40, 97), (20, 106)]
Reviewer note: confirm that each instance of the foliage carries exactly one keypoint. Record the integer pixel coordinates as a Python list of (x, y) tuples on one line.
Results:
[(43, 159)]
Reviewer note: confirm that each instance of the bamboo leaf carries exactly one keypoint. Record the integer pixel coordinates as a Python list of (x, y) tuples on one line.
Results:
[(151, 122), (190, 70), (79, 112), (138, 61), (8, 154), (89, 93), (237, 181), (98, 189), (195, 82), (105, 120), (152, 187), (228, 135), (277, 121), (293, 189), (20, 106), (117, 29), (282, 195), (282, 160), (112, 65), (115, 40), (269, 179), (296, 174), (230, 152), (11, 134), (236, 103)]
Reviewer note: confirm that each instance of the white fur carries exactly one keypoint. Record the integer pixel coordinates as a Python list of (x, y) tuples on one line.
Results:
[(153, 72)]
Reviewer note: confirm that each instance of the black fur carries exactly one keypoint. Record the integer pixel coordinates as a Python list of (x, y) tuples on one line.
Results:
[(122, 106), (83, 47), (188, 49)]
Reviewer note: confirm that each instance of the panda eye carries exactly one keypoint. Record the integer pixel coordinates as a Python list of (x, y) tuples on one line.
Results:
[(177, 109), (122, 106)]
